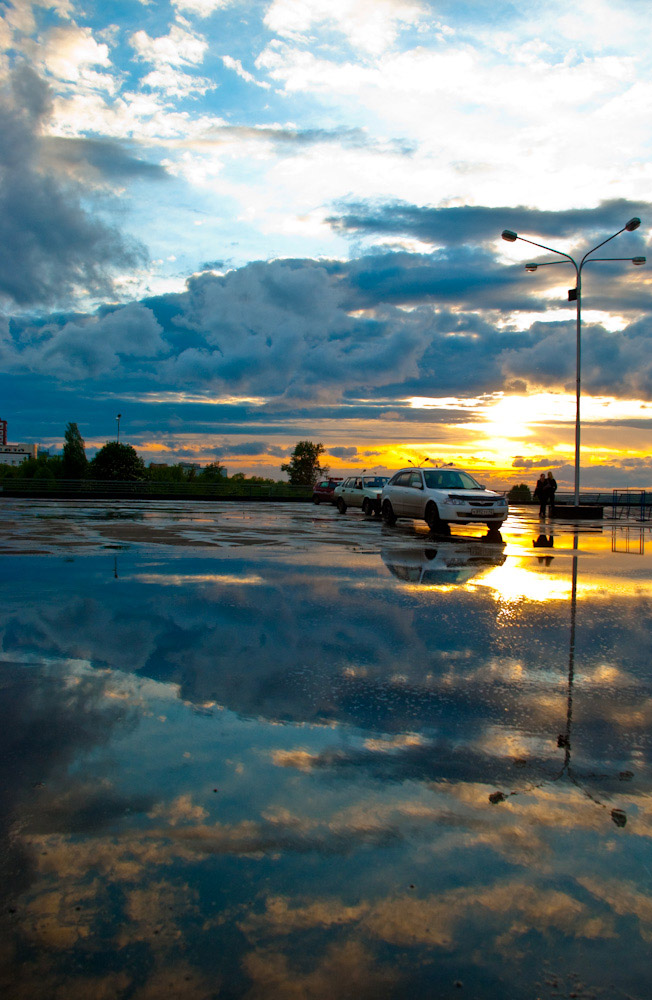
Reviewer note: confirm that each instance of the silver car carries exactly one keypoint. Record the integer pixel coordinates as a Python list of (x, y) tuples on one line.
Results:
[(359, 491), (441, 497)]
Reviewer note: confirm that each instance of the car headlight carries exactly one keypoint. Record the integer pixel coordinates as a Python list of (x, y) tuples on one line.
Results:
[(456, 503)]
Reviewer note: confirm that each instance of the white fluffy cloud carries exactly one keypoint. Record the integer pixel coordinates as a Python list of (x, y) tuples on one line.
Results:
[(369, 25), (69, 50), (178, 48)]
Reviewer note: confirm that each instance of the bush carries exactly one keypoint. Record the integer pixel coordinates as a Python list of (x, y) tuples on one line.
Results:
[(520, 494)]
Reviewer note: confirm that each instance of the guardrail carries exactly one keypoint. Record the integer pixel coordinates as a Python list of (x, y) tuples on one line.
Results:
[(95, 489)]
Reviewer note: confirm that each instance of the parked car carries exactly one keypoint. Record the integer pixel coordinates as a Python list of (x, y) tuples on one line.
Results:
[(441, 497), (322, 492), (360, 491)]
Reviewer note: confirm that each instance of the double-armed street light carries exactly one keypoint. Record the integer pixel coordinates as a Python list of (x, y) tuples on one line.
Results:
[(575, 295)]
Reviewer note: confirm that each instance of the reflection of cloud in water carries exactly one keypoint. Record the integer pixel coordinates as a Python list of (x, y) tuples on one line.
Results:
[(402, 709)]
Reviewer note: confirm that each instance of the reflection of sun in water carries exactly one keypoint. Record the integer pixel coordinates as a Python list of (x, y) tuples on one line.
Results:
[(512, 583)]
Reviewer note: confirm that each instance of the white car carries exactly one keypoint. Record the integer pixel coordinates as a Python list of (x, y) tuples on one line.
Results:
[(441, 497), (359, 491)]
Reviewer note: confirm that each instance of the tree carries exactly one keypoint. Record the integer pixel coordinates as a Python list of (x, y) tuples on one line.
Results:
[(45, 467), (116, 461), (211, 473), (75, 463), (520, 494), (304, 469)]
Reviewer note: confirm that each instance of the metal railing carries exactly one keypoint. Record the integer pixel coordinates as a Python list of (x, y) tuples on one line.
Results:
[(100, 489)]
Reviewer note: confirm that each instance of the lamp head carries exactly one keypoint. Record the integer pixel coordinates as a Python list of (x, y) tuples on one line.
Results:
[(508, 235), (638, 261), (531, 267), (632, 224)]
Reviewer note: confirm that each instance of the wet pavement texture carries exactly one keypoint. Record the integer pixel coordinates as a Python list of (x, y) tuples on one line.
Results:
[(272, 751)]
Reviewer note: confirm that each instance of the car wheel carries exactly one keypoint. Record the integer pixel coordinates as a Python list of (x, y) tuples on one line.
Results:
[(315, 499), (494, 535), (434, 521), (341, 506), (366, 507), (431, 516), (389, 517)]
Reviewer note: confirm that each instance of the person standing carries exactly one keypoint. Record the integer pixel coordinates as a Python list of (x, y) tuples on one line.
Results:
[(538, 494), (548, 493)]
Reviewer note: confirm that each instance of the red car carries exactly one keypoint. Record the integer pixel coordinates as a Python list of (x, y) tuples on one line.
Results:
[(323, 490)]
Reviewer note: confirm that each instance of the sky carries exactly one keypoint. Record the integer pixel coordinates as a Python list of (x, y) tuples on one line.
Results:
[(245, 223)]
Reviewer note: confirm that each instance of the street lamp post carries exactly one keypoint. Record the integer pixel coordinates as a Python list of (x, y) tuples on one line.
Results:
[(118, 419), (575, 294)]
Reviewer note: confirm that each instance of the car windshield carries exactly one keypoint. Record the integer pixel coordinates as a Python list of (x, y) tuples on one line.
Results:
[(375, 481), (450, 479)]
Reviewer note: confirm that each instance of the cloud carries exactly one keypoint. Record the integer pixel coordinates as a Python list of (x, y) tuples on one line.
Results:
[(178, 48), (348, 454), (50, 245), (244, 74), (309, 334), (91, 159), (92, 346), (544, 462), (201, 8), (370, 25), (252, 448), (475, 224), (68, 52)]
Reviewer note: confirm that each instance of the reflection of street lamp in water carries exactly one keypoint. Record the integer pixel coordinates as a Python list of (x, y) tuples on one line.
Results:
[(564, 739)]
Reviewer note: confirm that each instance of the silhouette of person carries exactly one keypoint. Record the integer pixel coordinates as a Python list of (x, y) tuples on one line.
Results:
[(538, 493), (548, 491)]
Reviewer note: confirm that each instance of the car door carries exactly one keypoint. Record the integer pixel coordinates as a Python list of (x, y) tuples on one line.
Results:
[(400, 494), (415, 494), (357, 493), (349, 491)]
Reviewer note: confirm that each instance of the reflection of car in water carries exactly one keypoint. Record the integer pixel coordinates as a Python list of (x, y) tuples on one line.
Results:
[(448, 563)]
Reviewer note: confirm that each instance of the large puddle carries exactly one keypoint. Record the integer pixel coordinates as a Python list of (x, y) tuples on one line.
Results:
[(266, 751)]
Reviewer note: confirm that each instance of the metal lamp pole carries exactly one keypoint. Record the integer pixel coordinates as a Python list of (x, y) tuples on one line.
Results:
[(575, 294), (118, 419)]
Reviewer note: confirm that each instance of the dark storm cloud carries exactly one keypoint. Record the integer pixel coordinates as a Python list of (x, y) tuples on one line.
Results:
[(612, 363), (89, 346), (50, 246), (346, 454), (312, 336), (472, 224), (468, 277), (542, 462), (103, 157), (252, 448)]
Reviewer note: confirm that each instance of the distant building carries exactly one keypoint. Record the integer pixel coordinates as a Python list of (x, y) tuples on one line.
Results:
[(14, 454)]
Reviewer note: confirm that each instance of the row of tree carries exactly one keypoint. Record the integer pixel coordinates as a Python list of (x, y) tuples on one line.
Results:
[(122, 463), (114, 461)]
